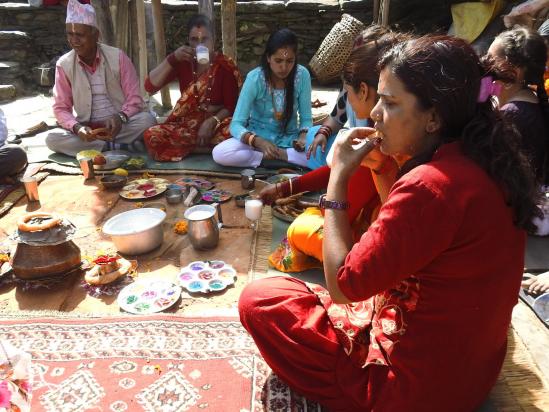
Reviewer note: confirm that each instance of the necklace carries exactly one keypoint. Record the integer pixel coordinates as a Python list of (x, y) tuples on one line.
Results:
[(206, 103), (278, 115)]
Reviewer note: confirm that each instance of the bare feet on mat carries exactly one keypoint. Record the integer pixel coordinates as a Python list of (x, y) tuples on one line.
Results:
[(536, 285)]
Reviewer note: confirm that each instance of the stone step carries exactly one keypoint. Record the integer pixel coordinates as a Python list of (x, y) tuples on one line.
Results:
[(18, 54), (9, 70), (14, 35), (7, 92)]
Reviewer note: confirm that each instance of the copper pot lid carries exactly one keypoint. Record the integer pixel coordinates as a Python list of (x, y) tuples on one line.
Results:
[(56, 235)]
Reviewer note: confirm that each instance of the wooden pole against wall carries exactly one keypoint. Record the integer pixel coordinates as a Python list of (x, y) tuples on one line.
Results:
[(142, 42), (104, 21), (121, 38), (228, 28), (205, 7), (385, 13), (160, 47)]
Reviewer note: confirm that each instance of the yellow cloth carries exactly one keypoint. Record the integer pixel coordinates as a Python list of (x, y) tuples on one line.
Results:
[(470, 19)]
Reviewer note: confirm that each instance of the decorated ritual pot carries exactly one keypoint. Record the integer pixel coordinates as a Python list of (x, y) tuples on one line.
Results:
[(44, 247)]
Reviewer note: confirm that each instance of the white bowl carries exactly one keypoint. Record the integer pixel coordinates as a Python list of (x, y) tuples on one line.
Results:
[(136, 231)]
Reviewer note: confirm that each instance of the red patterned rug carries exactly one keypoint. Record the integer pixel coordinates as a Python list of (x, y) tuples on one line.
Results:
[(160, 363)]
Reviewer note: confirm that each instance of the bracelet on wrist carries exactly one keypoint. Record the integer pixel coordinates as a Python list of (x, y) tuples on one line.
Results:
[(324, 203), (76, 128), (172, 60), (251, 139), (217, 120)]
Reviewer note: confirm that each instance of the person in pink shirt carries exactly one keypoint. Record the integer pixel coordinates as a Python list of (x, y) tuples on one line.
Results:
[(97, 101)]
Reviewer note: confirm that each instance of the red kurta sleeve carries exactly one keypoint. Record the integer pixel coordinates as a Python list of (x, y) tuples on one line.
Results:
[(361, 189), (413, 227)]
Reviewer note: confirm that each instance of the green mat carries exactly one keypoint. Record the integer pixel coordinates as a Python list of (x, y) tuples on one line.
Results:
[(193, 162)]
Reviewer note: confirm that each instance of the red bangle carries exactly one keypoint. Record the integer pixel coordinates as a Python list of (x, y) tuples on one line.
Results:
[(172, 60), (285, 188)]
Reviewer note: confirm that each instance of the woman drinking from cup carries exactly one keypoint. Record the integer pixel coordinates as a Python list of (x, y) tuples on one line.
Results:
[(266, 121), (209, 84), (415, 314)]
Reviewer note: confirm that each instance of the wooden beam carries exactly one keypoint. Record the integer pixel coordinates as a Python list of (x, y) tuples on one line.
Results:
[(142, 43), (122, 26), (160, 47), (228, 28), (385, 13), (104, 21), (375, 12), (206, 7)]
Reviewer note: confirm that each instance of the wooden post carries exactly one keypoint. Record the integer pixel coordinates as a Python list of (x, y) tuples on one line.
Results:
[(228, 28), (160, 47), (206, 7), (375, 13), (104, 21), (122, 27), (385, 13), (142, 42)]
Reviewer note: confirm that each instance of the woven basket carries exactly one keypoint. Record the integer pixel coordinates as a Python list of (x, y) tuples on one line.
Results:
[(335, 49)]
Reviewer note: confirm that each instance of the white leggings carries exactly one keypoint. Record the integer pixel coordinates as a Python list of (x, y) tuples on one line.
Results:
[(232, 152)]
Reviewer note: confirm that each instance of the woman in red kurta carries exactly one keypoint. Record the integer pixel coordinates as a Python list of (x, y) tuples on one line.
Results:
[(209, 93), (415, 315)]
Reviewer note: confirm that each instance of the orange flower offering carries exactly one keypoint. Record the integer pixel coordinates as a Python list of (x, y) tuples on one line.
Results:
[(180, 227), (4, 258)]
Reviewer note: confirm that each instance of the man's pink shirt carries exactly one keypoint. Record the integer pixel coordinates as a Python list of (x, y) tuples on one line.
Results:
[(62, 91)]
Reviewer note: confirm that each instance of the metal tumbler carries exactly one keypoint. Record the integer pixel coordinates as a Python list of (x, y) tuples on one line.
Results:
[(86, 164), (31, 188)]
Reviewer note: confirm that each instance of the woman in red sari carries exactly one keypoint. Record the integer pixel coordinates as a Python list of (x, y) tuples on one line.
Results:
[(209, 91)]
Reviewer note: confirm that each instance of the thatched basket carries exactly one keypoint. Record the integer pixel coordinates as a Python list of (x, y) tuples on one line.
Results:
[(335, 49)]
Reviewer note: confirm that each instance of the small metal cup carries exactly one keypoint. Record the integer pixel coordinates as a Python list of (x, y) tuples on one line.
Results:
[(174, 196), (31, 188), (86, 164), (247, 179)]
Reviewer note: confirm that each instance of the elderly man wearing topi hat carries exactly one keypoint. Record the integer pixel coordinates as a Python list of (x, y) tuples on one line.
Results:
[(99, 84)]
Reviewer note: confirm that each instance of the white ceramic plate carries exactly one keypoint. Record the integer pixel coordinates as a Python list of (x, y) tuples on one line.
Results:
[(148, 296)]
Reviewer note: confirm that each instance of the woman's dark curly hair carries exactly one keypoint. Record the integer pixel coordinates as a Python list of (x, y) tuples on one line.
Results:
[(444, 73), (277, 40), (362, 64), (526, 49)]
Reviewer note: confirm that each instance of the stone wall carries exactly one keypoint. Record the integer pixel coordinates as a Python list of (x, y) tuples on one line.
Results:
[(41, 39), (311, 20)]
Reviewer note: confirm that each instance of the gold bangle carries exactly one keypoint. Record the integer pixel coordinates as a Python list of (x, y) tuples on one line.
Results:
[(251, 140), (217, 120), (291, 188)]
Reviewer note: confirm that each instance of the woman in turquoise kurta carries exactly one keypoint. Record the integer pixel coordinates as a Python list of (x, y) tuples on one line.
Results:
[(273, 109)]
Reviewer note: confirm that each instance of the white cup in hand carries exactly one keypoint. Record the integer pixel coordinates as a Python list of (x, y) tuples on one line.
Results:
[(202, 54)]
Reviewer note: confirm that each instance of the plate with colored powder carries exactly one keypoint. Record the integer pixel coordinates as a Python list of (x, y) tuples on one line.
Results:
[(148, 296), (201, 184), (206, 276)]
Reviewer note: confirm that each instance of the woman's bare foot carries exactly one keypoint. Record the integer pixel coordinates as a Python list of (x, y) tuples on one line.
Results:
[(536, 285)]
